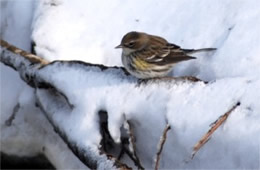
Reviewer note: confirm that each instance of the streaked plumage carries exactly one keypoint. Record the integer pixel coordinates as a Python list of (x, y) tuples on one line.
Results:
[(150, 56)]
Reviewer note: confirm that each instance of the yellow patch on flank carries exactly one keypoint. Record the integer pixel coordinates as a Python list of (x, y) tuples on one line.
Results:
[(141, 64)]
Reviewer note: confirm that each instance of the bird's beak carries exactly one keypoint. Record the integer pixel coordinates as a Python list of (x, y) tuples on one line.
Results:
[(119, 46)]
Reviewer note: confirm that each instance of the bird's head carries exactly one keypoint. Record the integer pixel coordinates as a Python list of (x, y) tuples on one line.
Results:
[(133, 41)]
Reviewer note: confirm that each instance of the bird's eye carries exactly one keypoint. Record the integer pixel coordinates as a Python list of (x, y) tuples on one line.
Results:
[(131, 44)]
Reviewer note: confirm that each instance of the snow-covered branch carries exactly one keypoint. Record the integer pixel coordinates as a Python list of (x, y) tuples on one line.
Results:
[(32, 71), (27, 65), (71, 94)]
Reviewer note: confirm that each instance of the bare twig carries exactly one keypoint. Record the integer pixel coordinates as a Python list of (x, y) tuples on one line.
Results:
[(161, 144), (34, 59), (9, 121), (133, 146), (213, 128)]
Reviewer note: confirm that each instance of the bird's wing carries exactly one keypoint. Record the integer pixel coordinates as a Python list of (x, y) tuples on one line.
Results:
[(167, 54)]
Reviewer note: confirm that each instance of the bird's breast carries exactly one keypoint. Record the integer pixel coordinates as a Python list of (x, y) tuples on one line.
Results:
[(141, 64)]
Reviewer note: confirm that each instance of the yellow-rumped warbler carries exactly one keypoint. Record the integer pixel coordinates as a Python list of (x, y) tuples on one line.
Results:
[(149, 56)]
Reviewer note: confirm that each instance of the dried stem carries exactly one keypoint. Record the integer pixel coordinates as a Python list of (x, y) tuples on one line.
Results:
[(213, 128), (161, 144), (133, 146)]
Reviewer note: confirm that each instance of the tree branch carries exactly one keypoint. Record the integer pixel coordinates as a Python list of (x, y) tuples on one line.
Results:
[(32, 68), (28, 66)]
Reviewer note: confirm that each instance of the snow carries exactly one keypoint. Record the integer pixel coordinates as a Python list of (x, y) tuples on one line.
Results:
[(89, 31), (155, 104), (11, 85), (27, 136)]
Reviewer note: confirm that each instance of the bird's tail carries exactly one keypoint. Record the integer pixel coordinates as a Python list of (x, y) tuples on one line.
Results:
[(192, 51)]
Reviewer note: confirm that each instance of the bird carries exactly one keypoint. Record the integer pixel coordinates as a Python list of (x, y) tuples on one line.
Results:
[(148, 56)]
